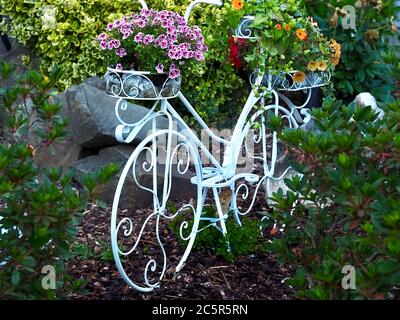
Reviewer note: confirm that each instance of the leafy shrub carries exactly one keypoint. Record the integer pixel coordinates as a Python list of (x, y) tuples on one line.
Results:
[(344, 210), (239, 240), (63, 33), (369, 61), (39, 208)]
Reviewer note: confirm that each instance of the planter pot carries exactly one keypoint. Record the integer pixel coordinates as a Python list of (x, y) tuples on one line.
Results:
[(141, 85), (244, 29), (286, 81)]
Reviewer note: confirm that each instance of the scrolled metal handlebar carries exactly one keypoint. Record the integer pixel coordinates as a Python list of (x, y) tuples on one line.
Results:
[(143, 4), (196, 2)]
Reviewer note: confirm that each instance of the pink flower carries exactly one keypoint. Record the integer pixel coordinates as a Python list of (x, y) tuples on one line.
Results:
[(145, 12), (174, 73), (110, 26), (117, 43), (171, 54), (198, 56), (185, 30), (163, 44), (161, 37), (160, 68), (180, 20), (171, 29), (103, 45), (164, 23), (148, 38), (184, 45), (126, 33), (139, 37), (141, 23), (163, 15), (102, 36), (121, 52), (173, 36), (119, 67), (192, 36), (156, 20), (171, 21)]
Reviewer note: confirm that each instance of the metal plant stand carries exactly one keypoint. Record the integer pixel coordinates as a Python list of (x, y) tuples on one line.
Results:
[(216, 179)]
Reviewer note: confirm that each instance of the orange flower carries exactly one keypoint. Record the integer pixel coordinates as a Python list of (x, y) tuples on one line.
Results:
[(278, 26), (237, 4), (287, 27), (299, 77), (301, 34)]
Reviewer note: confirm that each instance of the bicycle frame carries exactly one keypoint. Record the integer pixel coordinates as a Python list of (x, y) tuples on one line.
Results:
[(216, 178)]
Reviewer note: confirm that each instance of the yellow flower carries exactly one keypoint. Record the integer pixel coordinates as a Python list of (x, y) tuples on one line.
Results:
[(312, 66), (372, 35), (337, 51), (299, 77), (237, 4), (322, 66)]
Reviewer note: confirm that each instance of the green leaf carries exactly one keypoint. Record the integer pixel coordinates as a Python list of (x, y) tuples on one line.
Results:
[(388, 266), (15, 277)]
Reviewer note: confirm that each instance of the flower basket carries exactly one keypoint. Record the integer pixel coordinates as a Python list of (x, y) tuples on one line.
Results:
[(160, 42), (291, 81), (141, 85), (275, 37)]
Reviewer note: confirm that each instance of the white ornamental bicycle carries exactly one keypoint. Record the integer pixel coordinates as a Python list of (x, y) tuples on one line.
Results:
[(184, 155)]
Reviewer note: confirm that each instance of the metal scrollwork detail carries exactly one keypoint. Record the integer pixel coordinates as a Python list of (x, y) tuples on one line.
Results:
[(245, 30), (183, 155), (136, 85)]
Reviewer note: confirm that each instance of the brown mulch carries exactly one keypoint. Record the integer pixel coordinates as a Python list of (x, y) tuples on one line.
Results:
[(204, 276)]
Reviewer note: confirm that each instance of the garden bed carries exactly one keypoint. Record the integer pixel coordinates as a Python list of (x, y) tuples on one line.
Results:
[(204, 276)]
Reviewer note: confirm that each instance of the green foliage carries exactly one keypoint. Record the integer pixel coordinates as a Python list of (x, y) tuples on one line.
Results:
[(344, 210), (65, 36), (369, 61), (239, 240), (82, 251), (39, 208)]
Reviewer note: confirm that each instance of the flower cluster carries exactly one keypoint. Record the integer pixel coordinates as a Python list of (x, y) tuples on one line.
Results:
[(284, 38), (162, 35)]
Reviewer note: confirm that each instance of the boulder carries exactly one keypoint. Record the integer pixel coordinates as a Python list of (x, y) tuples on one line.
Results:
[(61, 154), (14, 54), (92, 115), (132, 196)]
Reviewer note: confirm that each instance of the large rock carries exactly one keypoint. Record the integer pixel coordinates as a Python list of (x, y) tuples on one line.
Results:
[(92, 115), (133, 197), (63, 154), (14, 54)]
